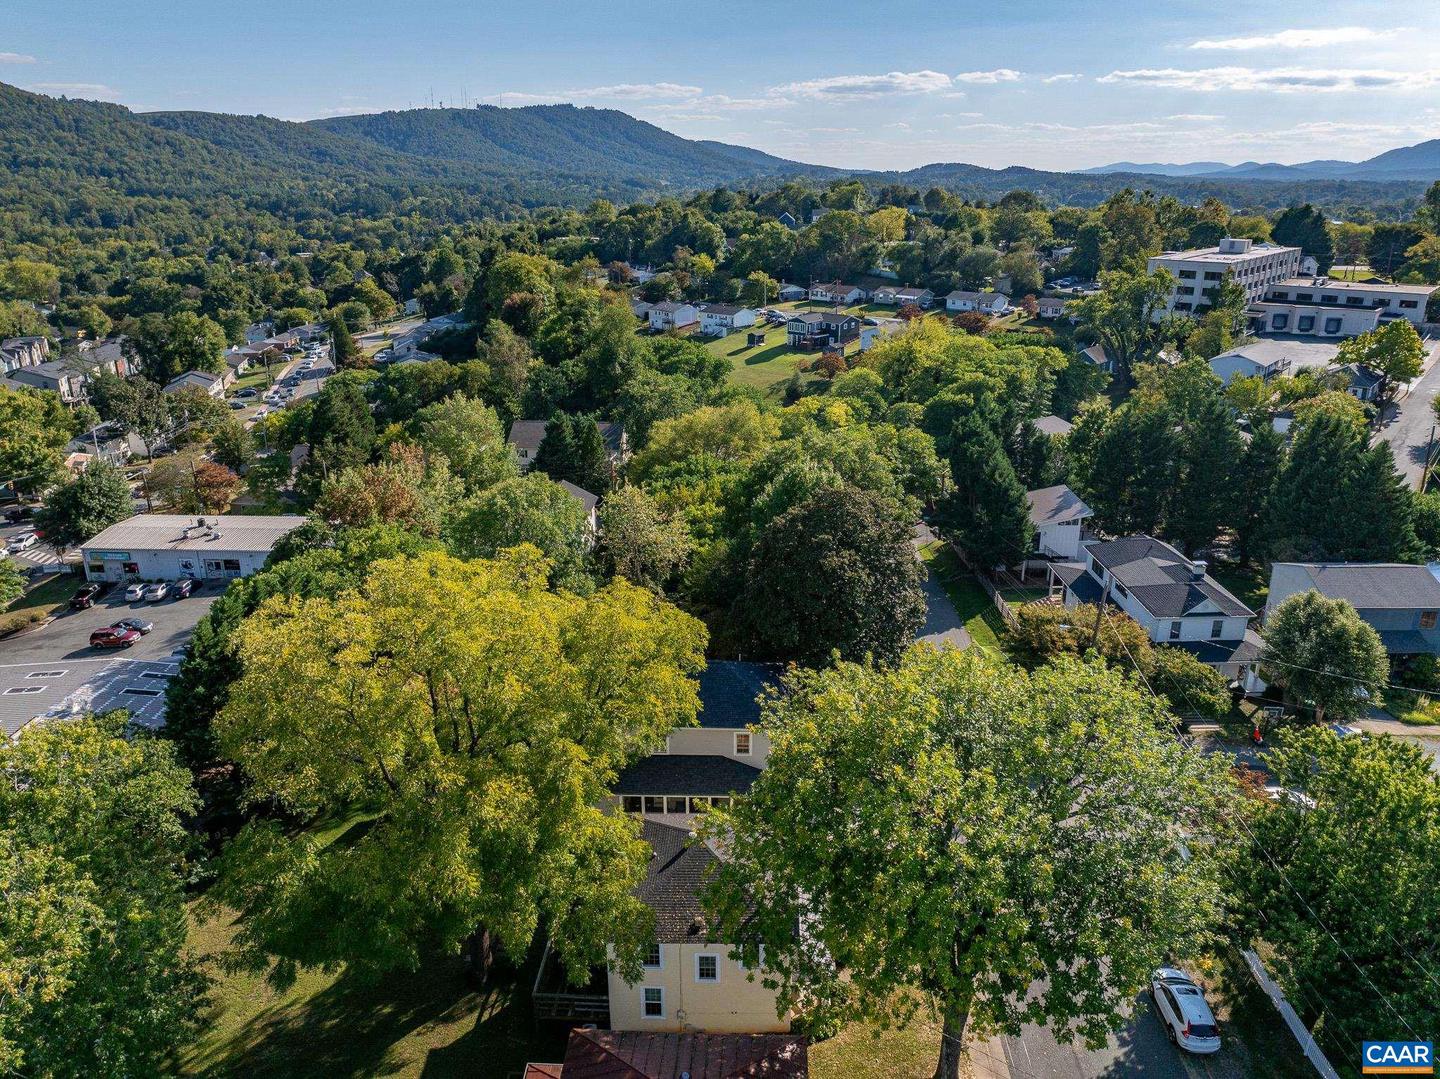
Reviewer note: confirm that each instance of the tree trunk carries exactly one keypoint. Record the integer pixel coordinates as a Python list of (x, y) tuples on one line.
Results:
[(952, 1040)]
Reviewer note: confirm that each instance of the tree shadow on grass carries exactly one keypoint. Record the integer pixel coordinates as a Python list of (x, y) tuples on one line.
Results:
[(428, 1023)]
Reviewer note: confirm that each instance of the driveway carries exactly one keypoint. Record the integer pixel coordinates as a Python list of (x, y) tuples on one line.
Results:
[(1407, 423), (943, 624)]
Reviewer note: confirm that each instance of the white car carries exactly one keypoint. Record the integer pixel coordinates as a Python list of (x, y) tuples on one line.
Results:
[(156, 592), (1189, 1023), (21, 541), (135, 592)]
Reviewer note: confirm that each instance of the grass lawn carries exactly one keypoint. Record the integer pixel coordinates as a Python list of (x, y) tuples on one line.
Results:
[(885, 1054), (982, 620), (762, 367), (254, 379), (48, 597), (1354, 273)]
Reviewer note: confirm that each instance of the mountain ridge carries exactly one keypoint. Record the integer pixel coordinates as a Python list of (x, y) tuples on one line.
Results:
[(1418, 162)]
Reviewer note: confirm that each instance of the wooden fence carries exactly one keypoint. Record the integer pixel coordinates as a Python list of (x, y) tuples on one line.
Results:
[(991, 588)]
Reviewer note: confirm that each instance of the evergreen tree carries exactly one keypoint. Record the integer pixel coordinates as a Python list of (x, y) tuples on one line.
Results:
[(1258, 479), (1380, 523), (1305, 227), (1312, 500), (342, 344), (986, 507), (1209, 447), (573, 449), (1134, 470), (1036, 457)]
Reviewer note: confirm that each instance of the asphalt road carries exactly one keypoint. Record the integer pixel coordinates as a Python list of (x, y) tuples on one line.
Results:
[(1407, 427)]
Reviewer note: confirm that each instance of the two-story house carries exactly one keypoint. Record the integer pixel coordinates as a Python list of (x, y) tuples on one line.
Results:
[(720, 319), (821, 329), (1172, 597), (670, 315), (526, 435), (1400, 602), (1059, 516), (17, 352)]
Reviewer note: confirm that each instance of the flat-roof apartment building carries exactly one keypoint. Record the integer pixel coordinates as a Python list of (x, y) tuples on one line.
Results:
[(1254, 266)]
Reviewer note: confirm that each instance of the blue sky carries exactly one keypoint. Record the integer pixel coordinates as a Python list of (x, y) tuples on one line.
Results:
[(873, 84)]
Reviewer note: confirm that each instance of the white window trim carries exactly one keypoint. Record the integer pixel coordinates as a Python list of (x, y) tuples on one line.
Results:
[(749, 749), (657, 966), (707, 981), (659, 989)]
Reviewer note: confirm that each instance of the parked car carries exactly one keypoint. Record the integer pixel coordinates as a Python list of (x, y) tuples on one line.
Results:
[(246, 393), (184, 586), (154, 593), (21, 541), (235, 402), (1188, 1021), (134, 591), (16, 514), (84, 599), (113, 637), (139, 625)]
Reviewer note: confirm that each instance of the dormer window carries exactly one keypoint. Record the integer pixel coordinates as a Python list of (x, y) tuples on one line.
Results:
[(742, 744)]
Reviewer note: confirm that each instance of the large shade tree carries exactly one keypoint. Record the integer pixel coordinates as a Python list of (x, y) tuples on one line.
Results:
[(1324, 656), (467, 721), (1010, 846)]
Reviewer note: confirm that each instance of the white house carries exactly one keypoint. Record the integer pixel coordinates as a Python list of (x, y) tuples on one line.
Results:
[(1058, 515), (1324, 307), (989, 303), (17, 352), (719, 319), (901, 297), (1176, 601), (214, 385), (1198, 273), (837, 292), (1051, 306), (1267, 357), (588, 502), (641, 309), (167, 546), (870, 336), (669, 315)]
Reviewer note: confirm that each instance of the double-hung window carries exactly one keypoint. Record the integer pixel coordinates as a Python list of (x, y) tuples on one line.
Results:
[(707, 968), (742, 744), (652, 1002)]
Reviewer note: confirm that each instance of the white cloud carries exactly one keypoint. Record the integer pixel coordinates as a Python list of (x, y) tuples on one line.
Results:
[(1061, 78), (1283, 80), (625, 91), (1297, 39), (1000, 74), (852, 86), (1196, 117), (95, 91), (346, 110), (16, 58)]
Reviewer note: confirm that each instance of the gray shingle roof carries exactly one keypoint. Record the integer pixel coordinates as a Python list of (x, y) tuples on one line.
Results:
[(701, 775), (579, 494), (1051, 505), (728, 692), (1054, 425), (1374, 586), (612, 1054), (1161, 578), (1246, 650), (677, 872)]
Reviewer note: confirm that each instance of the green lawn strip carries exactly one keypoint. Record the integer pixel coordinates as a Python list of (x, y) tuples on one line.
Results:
[(862, 1050), (975, 608), (46, 598), (761, 366)]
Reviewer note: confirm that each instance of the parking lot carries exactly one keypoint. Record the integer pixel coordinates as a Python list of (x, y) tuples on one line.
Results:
[(54, 671)]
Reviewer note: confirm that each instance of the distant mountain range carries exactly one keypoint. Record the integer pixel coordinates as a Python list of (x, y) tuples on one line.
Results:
[(487, 159), (1418, 162)]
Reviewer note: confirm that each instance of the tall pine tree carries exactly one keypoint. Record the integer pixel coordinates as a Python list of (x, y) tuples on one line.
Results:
[(1312, 506), (1258, 481), (1134, 470), (1380, 524), (986, 509), (1209, 447)]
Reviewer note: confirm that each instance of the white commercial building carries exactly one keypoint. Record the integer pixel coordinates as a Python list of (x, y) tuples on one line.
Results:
[(169, 546), (1325, 307), (1253, 266)]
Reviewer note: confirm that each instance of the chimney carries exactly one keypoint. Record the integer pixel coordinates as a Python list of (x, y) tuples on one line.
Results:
[(1198, 569)]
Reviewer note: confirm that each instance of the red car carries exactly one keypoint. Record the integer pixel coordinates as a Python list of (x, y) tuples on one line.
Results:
[(113, 637)]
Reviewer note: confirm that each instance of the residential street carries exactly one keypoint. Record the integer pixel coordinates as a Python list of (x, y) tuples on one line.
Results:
[(1407, 427)]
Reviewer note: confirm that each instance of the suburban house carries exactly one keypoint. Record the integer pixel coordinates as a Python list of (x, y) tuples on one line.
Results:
[(837, 292), (787, 219), (608, 1054), (588, 502), (1268, 357), (1099, 356), (17, 352), (214, 385), (526, 435), (669, 315), (641, 309), (719, 319), (1324, 307), (1059, 516), (1198, 273), (1400, 602), (1176, 601), (988, 303), (870, 336), (901, 297), (1361, 383), (168, 546), (821, 329), (788, 292), (58, 376), (1053, 426), (1051, 306)]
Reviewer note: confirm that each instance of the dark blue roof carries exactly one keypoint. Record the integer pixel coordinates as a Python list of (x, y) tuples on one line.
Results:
[(686, 773), (728, 692)]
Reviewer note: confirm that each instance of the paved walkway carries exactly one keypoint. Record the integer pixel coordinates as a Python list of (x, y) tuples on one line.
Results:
[(943, 624)]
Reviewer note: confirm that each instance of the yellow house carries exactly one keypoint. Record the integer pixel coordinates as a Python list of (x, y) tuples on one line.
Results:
[(689, 982)]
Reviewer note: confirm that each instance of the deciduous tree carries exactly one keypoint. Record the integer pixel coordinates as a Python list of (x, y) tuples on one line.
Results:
[(1325, 656), (83, 508)]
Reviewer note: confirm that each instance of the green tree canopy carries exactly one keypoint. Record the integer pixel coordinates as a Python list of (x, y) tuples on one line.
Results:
[(1008, 845), (1325, 656), (527, 509), (468, 720), (83, 508)]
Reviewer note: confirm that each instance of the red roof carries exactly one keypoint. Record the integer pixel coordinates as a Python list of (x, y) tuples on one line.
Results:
[(608, 1054)]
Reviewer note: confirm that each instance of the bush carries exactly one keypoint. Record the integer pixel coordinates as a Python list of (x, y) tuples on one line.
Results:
[(18, 620)]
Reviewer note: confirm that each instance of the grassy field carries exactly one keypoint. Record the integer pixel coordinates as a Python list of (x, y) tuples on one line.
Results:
[(982, 620), (884, 1054), (762, 367), (46, 598), (1250, 586), (1354, 273)]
